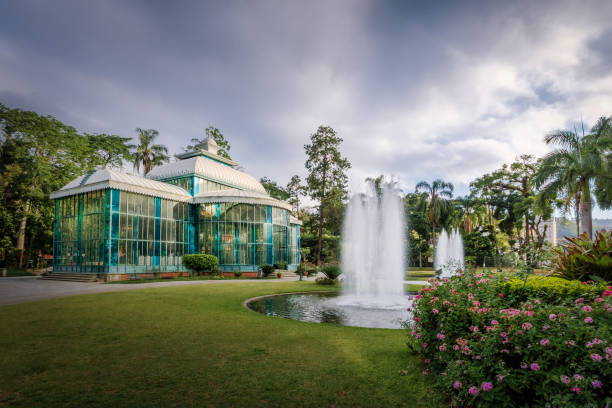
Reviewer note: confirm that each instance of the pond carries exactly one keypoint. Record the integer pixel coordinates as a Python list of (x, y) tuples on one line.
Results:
[(332, 307)]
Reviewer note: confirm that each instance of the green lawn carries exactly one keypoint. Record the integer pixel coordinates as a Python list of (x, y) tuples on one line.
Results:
[(197, 346), (16, 272)]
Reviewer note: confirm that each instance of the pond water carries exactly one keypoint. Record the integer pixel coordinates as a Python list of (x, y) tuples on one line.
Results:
[(331, 307)]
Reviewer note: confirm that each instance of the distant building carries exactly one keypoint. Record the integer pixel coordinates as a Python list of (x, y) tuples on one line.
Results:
[(116, 225)]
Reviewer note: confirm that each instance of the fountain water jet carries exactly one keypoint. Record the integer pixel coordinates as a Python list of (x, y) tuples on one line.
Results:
[(449, 253), (373, 250)]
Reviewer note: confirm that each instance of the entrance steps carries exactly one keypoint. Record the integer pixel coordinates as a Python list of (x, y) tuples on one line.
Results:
[(290, 275), (70, 277)]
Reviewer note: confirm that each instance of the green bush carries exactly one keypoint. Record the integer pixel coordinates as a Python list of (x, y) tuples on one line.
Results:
[(266, 270), (484, 348), (583, 259), (237, 273), (281, 265), (324, 280), (331, 271), (550, 289), (200, 262)]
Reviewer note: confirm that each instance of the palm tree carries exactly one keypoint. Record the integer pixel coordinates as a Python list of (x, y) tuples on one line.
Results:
[(438, 191), (147, 153), (470, 209), (572, 168)]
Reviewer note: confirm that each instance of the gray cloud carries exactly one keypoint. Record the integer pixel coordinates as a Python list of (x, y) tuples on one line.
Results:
[(448, 90)]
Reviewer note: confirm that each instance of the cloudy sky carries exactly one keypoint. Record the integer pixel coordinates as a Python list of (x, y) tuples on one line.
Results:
[(450, 90)]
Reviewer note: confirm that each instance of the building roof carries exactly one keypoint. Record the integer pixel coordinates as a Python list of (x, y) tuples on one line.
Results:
[(209, 169), (102, 179), (239, 196)]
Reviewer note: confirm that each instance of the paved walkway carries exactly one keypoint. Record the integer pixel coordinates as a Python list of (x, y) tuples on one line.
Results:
[(29, 288)]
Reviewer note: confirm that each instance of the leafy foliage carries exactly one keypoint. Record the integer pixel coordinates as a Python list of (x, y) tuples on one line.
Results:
[(273, 189), (583, 259), (200, 262), (216, 135), (266, 270), (331, 271), (484, 347)]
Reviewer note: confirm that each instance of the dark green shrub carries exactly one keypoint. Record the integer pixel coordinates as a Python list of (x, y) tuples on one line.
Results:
[(266, 270), (200, 262), (237, 273), (324, 280), (281, 265), (583, 259), (331, 271)]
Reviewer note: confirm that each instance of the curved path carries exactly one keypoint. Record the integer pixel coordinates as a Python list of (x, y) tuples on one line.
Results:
[(30, 288)]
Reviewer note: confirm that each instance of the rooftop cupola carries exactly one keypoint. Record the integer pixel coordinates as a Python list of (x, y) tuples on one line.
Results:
[(207, 149)]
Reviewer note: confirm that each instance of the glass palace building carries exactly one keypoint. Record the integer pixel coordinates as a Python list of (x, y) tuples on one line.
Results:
[(121, 226)]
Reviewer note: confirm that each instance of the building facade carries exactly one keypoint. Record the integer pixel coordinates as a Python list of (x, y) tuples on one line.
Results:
[(121, 226)]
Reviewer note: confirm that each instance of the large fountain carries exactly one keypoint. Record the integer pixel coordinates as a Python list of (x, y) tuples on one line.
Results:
[(449, 253), (373, 245)]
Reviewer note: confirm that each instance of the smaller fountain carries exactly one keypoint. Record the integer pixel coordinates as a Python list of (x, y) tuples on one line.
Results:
[(449, 253)]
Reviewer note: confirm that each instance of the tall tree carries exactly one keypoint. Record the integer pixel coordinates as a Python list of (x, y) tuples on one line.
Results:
[(38, 155), (439, 191), (574, 166), (327, 180), (295, 189), (148, 154), (109, 150), (215, 134)]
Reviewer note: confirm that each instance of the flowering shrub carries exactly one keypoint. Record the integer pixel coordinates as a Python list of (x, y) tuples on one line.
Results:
[(486, 346)]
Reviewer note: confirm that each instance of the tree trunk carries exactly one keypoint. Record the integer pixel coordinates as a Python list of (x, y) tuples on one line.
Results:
[(320, 238), (577, 215), (21, 236), (585, 215)]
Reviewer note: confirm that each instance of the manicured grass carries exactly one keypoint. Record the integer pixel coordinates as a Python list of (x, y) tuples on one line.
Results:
[(16, 272), (411, 287), (197, 346), (418, 278)]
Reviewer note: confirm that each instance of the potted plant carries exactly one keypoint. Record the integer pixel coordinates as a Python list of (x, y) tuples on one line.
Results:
[(279, 275)]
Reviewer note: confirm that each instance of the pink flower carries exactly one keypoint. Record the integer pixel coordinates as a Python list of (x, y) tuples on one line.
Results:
[(588, 320), (486, 386), (593, 342), (579, 300), (545, 327), (474, 328), (456, 347), (427, 361), (578, 377), (523, 365), (457, 385), (599, 299), (435, 311), (424, 345), (416, 318), (587, 308), (576, 390), (596, 384), (500, 377), (426, 371), (595, 357), (474, 390), (501, 295), (527, 326), (545, 342), (552, 316), (570, 342), (442, 347), (494, 322), (534, 367), (565, 379), (440, 336)]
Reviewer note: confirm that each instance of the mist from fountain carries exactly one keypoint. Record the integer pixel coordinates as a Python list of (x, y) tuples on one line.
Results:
[(373, 245), (449, 253)]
